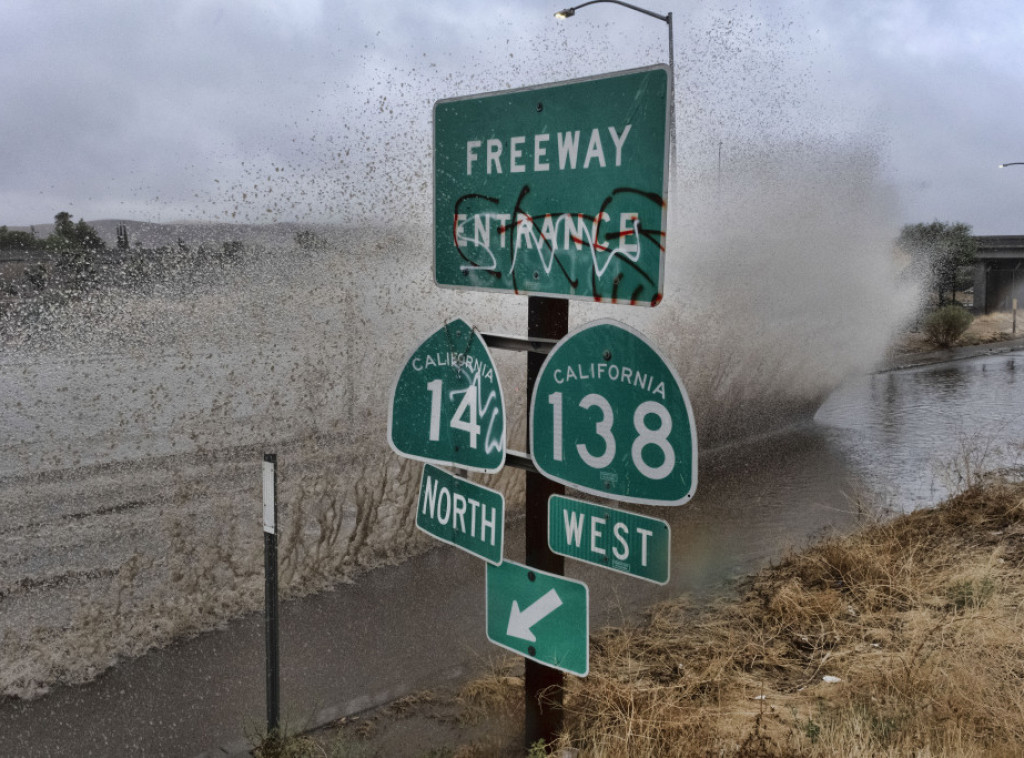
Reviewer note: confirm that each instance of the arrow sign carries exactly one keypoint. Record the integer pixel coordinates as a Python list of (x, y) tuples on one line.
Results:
[(542, 616), (521, 622)]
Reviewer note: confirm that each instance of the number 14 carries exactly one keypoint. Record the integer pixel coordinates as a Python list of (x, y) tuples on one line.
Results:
[(465, 418)]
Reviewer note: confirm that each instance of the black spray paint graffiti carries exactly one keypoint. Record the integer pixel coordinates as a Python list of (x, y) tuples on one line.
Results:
[(556, 238)]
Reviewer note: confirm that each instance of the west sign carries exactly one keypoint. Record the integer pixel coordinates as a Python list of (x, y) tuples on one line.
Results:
[(555, 190), (628, 543)]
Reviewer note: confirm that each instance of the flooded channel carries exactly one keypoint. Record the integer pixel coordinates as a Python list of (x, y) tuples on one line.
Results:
[(914, 436)]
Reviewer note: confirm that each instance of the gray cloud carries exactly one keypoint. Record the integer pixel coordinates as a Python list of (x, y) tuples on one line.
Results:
[(321, 111)]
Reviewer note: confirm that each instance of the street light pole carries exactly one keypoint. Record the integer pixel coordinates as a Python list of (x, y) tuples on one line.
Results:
[(667, 18), (1004, 165), (549, 318)]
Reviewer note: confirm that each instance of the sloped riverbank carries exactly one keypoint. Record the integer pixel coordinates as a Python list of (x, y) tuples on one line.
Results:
[(901, 638)]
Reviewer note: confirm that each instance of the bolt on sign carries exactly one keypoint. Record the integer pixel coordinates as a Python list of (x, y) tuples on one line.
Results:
[(609, 416), (539, 615), (447, 406), (555, 190), (462, 513), (618, 540)]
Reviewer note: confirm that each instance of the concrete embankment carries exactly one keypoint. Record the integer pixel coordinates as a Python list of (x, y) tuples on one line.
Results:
[(912, 360)]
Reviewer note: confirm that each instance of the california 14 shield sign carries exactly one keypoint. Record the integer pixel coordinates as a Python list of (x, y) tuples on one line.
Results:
[(447, 406)]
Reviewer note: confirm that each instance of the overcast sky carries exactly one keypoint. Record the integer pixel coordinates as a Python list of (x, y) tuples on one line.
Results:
[(319, 111)]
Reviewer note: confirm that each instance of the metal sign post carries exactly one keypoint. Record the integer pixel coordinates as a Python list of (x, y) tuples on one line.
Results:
[(547, 319), (270, 576), (557, 192)]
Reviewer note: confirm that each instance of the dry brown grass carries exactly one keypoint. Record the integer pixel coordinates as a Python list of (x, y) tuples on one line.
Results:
[(918, 618), (903, 639)]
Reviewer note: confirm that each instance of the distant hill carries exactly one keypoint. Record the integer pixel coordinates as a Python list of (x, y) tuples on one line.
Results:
[(152, 235)]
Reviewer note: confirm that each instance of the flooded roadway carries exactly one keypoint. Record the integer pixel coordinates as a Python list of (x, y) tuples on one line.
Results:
[(896, 435)]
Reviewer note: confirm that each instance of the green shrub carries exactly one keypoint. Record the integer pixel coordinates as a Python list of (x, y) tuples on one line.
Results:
[(945, 325)]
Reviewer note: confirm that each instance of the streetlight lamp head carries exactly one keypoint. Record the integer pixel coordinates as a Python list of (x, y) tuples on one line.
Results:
[(567, 13)]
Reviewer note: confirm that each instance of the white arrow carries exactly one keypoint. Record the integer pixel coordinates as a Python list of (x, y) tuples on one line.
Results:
[(519, 622)]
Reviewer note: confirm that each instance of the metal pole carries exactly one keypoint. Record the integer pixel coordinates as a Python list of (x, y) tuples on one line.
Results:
[(719, 170), (671, 46), (667, 18), (544, 687), (672, 104), (270, 576)]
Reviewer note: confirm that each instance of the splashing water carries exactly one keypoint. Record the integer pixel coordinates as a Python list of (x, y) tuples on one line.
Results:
[(135, 417), (136, 422)]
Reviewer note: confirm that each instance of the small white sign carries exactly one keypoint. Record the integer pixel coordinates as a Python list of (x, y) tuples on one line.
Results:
[(268, 497)]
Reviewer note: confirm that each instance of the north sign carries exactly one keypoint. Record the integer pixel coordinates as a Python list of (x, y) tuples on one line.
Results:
[(555, 190), (609, 416), (462, 513), (618, 540), (447, 406), (539, 615)]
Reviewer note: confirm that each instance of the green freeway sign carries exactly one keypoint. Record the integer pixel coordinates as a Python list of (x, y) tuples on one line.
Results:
[(618, 540), (610, 416), (446, 404), (539, 615), (555, 190), (461, 513)]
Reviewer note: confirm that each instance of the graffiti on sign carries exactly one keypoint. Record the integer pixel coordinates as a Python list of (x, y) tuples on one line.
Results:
[(556, 190), (568, 247)]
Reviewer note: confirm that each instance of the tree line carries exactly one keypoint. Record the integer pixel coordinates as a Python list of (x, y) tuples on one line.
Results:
[(74, 258), (67, 235)]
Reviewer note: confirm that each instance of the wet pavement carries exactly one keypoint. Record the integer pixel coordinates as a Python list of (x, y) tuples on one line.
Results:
[(398, 629)]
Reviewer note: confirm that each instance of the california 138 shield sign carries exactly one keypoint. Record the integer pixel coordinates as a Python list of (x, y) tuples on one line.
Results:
[(610, 416), (447, 406)]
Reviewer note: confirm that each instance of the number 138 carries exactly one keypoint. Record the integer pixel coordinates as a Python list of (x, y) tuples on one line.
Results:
[(645, 435)]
